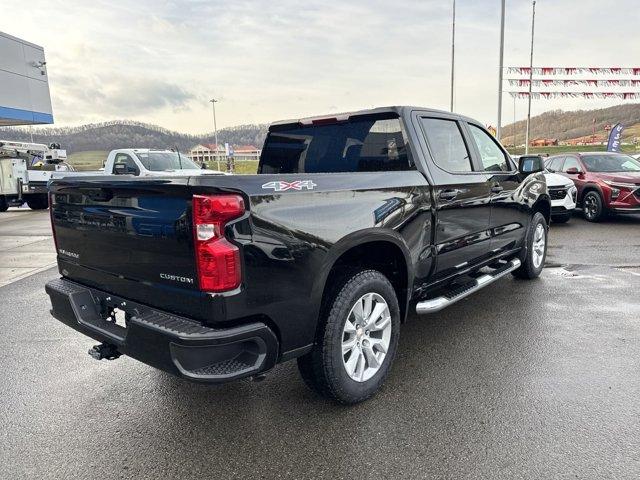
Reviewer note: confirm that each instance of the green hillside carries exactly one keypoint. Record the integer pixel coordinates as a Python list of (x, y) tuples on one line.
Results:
[(88, 160), (566, 125)]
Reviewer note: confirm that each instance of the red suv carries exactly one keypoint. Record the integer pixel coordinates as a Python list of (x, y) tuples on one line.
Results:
[(606, 182)]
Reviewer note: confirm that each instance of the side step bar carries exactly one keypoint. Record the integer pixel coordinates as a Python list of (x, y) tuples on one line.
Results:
[(436, 304)]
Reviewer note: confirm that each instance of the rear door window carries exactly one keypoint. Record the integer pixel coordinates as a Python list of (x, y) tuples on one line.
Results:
[(371, 143), (493, 157), (447, 145)]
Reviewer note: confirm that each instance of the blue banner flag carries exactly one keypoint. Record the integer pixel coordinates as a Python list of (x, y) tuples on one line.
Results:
[(615, 138)]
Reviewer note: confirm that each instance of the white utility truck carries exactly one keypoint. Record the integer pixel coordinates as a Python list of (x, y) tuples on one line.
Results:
[(25, 169)]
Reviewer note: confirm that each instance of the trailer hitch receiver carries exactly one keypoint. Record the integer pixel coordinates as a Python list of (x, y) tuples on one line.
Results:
[(104, 351)]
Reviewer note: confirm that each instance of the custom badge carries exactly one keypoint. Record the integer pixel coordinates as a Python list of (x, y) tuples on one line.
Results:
[(282, 186)]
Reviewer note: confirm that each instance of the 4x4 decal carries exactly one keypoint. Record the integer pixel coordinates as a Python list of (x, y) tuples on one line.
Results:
[(282, 186)]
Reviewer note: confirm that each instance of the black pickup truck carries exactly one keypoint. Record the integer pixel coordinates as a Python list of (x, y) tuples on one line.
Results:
[(353, 222)]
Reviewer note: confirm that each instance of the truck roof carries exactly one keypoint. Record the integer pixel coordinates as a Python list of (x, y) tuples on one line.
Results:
[(143, 149), (398, 109)]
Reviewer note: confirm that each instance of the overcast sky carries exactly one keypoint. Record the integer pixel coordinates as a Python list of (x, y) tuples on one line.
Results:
[(160, 62)]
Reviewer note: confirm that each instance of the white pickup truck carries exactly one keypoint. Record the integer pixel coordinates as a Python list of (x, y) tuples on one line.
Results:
[(145, 162)]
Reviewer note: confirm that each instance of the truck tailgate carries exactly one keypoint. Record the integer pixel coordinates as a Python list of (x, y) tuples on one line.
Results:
[(126, 234)]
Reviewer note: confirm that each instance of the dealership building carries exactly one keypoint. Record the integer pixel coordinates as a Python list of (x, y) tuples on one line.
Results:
[(24, 83)]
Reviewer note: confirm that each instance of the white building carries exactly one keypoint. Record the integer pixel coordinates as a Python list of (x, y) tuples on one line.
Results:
[(246, 152), (209, 152), (24, 83)]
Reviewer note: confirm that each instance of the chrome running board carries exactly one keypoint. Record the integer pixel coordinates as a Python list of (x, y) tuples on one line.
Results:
[(436, 304)]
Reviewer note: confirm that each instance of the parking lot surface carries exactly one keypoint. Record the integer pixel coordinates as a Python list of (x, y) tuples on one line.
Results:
[(26, 245), (521, 380)]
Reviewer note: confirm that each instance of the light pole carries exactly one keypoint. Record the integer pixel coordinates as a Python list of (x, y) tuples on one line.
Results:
[(499, 127), (453, 50), (533, 23), (215, 130)]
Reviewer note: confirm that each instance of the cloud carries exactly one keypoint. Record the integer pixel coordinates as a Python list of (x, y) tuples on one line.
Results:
[(134, 95), (161, 61), (91, 98)]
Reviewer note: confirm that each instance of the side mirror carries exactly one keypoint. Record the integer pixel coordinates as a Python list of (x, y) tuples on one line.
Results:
[(573, 171), (120, 169), (528, 164)]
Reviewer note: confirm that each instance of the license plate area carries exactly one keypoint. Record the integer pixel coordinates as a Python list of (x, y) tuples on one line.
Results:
[(106, 315)]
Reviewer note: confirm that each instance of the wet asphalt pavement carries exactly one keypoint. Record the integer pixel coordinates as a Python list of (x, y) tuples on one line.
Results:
[(535, 379)]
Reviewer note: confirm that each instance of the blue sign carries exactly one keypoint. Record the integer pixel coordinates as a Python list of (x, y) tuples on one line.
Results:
[(615, 138)]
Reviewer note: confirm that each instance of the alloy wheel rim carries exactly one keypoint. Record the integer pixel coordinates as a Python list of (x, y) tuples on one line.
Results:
[(366, 337), (590, 206), (539, 243)]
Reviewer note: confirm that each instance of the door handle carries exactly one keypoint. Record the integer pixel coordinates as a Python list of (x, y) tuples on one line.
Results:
[(448, 194), (497, 188)]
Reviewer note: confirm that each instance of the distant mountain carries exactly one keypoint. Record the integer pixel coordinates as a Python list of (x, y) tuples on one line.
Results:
[(124, 133), (565, 125)]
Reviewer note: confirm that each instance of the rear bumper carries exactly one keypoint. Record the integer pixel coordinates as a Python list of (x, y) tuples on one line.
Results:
[(171, 343)]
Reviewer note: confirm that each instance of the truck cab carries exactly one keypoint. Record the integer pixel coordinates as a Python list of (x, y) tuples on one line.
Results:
[(353, 222)]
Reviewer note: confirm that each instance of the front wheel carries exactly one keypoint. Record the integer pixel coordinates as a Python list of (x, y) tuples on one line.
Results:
[(535, 250), (4, 206), (357, 339), (592, 206)]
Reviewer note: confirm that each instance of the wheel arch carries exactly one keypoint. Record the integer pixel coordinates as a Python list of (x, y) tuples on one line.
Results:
[(543, 205), (382, 250), (591, 187)]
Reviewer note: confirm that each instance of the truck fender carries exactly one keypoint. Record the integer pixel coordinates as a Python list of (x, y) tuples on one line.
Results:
[(356, 239)]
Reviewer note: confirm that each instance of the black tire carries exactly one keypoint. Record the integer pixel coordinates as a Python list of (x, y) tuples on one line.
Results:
[(528, 269), (4, 206), (323, 369), (593, 206), (38, 202), (564, 218)]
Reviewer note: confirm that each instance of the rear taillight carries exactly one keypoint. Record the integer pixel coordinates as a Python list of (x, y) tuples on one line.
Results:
[(53, 229), (217, 259)]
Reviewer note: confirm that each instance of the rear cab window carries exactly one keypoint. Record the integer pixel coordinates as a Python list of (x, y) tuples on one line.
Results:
[(447, 145), (368, 143)]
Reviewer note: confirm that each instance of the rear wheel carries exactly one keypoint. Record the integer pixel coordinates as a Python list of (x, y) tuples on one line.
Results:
[(4, 206), (536, 249), (357, 339), (38, 202), (592, 206)]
